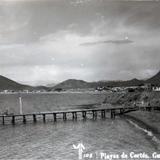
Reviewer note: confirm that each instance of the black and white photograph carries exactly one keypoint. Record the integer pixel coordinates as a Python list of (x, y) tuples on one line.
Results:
[(80, 79)]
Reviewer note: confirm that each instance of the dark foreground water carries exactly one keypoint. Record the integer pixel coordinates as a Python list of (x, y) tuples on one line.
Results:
[(55, 140)]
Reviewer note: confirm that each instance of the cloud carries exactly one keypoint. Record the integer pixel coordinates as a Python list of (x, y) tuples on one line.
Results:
[(125, 41), (77, 3), (50, 40)]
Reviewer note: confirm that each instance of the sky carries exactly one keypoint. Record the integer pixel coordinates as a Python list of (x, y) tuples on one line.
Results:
[(49, 41)]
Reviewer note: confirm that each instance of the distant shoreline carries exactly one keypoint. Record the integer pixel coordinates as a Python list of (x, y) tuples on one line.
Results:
[(54, 92)]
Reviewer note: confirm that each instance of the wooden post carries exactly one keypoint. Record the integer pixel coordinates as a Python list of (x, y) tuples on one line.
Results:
[(13, 119), (84, 114), (3, 120), (55, 117), (44, 118), (112, 113), (74, 115), (103, 114), (24, 119), (34, 118), (121, 110), (94, 114), (152, 108), (64, 117)]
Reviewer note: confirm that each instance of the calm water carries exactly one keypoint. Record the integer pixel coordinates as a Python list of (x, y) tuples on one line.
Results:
[(50, 102), (55, 140)]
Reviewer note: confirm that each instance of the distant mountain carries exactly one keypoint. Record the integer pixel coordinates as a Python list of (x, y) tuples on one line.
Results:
[(51, 85), (132, 82), (44, 88), (8, 84), (155, 80), (72, 84)]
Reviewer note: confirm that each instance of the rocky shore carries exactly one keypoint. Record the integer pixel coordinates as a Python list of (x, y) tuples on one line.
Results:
[(132, 98)]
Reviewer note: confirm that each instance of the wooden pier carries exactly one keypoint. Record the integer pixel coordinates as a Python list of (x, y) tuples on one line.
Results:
[(72, 113)]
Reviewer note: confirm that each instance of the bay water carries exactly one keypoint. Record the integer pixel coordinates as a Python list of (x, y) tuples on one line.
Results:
[(56, 140)]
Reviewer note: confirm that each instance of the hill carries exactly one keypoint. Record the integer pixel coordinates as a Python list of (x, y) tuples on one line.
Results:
[(8, 84), (132, 82), (155, 80), (51, 85), (72, 84)]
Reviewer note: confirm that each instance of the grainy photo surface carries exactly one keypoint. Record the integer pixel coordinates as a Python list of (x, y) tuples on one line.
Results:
[(80, 79)]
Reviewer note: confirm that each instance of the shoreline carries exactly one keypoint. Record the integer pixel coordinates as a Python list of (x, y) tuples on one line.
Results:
[(150, 120), (142, 121)]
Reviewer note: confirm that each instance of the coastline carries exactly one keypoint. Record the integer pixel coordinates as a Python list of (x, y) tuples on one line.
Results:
[(149, 120), (148, 123), (145, 121)]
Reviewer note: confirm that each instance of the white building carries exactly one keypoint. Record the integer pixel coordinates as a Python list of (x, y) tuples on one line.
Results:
[(156, 88)]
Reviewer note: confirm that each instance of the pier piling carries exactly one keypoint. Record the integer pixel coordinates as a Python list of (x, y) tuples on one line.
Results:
[(74, 115), (64, 117), (13, 120), (94, 114), (84, 114), (34, 118), (112, 113), (55, 117), (24, 119), (3, 120), (44, 118), (121, 111), (103, 114)]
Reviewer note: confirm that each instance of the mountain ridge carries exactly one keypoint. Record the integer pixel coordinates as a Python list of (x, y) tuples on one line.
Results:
[(155, 80), (8, 84), (74, 83)]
